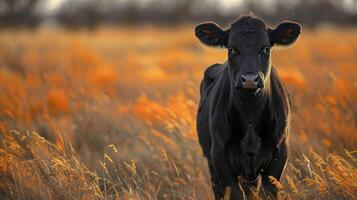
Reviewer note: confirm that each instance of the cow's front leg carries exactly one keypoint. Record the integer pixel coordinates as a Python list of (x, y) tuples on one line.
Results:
[(275, 169), (225, 173), (250, 188)]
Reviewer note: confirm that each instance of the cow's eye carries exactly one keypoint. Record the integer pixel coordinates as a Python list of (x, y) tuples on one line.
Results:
[(233, 50), (266, 50)]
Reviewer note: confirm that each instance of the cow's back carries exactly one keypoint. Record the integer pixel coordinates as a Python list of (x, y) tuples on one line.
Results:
[(210, 77)]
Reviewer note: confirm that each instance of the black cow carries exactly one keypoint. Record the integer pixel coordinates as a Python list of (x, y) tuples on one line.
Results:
[(244, 112)]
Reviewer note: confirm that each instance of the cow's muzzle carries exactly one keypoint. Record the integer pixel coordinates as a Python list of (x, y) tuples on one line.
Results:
[(250, 81)]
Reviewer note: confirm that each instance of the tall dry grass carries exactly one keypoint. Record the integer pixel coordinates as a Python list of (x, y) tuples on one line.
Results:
[(111, 114)]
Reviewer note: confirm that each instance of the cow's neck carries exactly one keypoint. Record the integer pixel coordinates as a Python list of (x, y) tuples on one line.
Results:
[(250, 107)]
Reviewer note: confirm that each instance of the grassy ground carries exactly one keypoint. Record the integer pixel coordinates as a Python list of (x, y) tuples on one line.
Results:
[(111, 114)]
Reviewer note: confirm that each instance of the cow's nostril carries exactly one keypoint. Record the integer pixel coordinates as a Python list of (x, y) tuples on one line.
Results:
[(243, 79), (256, 79)]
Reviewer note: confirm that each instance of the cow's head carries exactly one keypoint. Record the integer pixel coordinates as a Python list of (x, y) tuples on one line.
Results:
[(249, 42)]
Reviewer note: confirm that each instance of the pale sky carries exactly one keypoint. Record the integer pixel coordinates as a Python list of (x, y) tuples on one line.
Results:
[(350, 5), (53, 4)]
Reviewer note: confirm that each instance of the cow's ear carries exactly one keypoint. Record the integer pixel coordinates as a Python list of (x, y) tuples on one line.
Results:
[(285, 34), (211, 34)]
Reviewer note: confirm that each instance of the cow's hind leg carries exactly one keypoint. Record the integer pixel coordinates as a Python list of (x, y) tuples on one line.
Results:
[(217, 186)]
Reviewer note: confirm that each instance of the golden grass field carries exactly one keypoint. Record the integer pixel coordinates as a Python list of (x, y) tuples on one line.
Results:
[(110, 114)]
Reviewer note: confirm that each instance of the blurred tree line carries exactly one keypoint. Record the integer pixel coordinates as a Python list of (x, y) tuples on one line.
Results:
[(91, 13), (19, 13)]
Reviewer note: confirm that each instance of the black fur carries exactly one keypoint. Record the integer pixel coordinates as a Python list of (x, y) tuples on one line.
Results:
[(244, 133)]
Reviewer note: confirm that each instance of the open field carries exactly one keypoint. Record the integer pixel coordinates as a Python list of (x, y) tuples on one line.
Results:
[(116, 111)]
